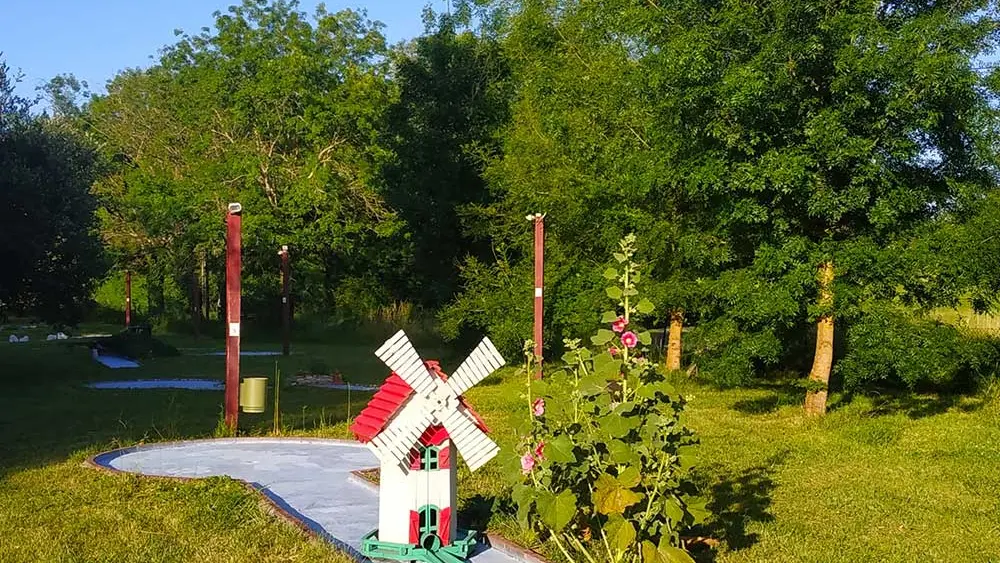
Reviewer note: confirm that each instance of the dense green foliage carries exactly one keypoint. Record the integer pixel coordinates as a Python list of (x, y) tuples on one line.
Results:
[(744, 143), (747, 143), (49, 251)]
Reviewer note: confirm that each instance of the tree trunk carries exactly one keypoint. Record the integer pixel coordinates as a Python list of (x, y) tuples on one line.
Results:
[(819, 376), (674, 340)]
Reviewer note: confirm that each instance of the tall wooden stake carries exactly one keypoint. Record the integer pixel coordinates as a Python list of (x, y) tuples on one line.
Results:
[(539, 220), (286, 304), (233, 272), (128, 298)]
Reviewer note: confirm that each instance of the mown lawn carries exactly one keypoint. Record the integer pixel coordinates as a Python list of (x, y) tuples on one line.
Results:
[(879, 479)]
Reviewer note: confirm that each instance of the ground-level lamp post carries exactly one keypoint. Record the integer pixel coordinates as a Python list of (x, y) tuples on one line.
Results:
[(233, 272), (286, 304), (539, 221)]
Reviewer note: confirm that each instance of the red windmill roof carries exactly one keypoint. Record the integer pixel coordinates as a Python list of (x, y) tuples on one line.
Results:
[(387, 401)]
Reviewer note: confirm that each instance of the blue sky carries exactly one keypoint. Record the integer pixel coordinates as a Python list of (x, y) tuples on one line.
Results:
[(94, 39)]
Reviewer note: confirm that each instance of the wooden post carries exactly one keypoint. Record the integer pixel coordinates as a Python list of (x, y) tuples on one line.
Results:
[(539, 220), (128, 298), (286, 304), (233, 266)]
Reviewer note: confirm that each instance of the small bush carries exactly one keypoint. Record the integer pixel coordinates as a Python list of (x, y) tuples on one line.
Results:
[(890, 346)]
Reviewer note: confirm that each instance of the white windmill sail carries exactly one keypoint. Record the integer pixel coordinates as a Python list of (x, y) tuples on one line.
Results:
[(436, 401), (483, 361)]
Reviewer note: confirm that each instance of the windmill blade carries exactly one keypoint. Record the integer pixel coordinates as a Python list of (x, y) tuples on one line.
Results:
[(398, 353), (483, 361), (472, 443), (403, 433)]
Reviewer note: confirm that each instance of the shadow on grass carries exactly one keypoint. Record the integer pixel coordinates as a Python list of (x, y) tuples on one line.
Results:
[(914, 406), (476, 512), (780, 394), (738, 500)]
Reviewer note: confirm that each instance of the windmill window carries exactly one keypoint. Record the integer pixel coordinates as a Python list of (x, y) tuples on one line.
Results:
[(428, 520), (429, 458)]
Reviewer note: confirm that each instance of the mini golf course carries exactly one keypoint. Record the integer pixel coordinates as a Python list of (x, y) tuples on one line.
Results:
[(309, 480)]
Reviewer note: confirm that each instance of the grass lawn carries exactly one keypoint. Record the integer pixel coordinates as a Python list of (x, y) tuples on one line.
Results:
[(879, 479)]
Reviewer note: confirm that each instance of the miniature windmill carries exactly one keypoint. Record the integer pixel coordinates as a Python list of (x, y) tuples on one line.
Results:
[(415, 423)]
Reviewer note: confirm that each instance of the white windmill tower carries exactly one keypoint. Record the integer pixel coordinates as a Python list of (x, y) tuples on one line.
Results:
[(415, 423)]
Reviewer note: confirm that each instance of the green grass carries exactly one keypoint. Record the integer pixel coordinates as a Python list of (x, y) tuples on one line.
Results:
[(887, 478)]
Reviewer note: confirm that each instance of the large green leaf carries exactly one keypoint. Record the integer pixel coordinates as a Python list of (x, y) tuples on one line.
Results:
[(602, 337), (611, 274), (607, 365), (556, 511), (664, 554), (609, 317), (620, 452), (698, 509), (673, 510), (687, 457), (620, 533), (616, 425), (645, 306), (630, 477), (560, 449), (610, 497), (614, 292)]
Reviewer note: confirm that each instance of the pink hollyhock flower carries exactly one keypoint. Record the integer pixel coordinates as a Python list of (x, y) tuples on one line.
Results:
[(619, 325), (527, 463), (629, 339), (538, 407), (539, 449), (614, 351)]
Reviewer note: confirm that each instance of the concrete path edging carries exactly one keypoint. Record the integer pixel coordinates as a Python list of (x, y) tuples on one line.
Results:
[(313, 483)]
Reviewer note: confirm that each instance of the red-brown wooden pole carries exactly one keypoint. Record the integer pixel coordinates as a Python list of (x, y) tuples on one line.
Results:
[(128, 298), (233, 267), (286, 304), (539, 284)]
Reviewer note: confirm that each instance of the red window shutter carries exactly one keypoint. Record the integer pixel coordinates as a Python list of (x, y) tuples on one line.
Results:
[(414, 527), (444, 526), (444, 458), (415, 459)]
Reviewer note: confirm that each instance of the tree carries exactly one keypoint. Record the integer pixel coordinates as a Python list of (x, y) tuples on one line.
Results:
[(453, 99), (273, 109), (583, 147), (47, 243), (825, 134)]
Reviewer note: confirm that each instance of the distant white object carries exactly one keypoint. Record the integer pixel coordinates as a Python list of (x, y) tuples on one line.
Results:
[(61, 336), (13, 339), (50, 337), (24, 338)]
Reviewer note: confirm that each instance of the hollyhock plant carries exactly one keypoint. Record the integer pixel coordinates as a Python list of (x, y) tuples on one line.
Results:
[(611, 429), (629, 339), (527, 463), (539, 451), (538, 407)]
